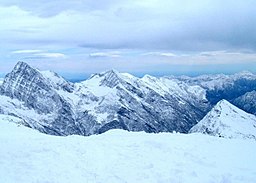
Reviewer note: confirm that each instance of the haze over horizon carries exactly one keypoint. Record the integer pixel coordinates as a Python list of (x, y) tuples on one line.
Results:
[(159, 37)]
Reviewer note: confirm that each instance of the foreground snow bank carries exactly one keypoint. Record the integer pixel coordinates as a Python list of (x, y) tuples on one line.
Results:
[(119, 156)]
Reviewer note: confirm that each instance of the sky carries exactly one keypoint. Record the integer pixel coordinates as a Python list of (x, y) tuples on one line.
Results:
[(80, 37)]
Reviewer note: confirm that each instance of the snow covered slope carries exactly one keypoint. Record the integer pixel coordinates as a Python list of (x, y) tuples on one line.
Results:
[(112, 100), (123, 157), (222, 86), (217, 81), (7, 119), (108, 100), (247, 102), (226, 120)]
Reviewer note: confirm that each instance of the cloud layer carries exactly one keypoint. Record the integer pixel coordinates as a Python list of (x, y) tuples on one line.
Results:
[(144, 33)]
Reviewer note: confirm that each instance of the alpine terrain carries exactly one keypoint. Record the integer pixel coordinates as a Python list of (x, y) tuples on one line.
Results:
[(110, 100), (226, 120), (118, 156), (45, 101), (205, 107)]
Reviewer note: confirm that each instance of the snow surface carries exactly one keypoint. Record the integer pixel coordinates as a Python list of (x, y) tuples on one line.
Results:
[(226, 120), (120, 156), (93, 85), (52, 77), (14, 106), (175, 87)]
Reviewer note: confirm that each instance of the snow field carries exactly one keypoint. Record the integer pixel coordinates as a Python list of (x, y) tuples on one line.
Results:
[(118, 157)]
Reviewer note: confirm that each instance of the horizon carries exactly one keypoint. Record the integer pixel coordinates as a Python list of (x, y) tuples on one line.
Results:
[(84, 76)]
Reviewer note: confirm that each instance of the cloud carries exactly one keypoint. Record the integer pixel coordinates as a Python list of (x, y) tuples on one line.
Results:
[(105, 54), (156, 25), (39, 54), (50, 55), (26, 51), (164, 54), (143, 33), (221, 57), (52, 8)]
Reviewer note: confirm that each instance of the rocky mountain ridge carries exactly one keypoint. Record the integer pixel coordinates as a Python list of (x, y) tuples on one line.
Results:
[(105, 101), (110, 100)]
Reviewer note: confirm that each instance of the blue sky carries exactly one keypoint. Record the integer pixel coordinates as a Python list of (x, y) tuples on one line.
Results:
[(80, 37)]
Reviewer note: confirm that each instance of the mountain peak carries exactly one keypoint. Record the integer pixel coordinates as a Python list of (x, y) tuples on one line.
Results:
[(225, 108), (110, 78), (26, 84), (224, 103), (21, 71), (105, 73), (22, 66), (226, 120), (112, 71)]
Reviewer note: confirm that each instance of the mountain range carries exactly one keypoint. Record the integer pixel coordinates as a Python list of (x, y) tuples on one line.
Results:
[(45, 101)]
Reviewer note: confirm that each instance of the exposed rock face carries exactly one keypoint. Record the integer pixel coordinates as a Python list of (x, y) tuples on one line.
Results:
[(226, 120), (28, 85)]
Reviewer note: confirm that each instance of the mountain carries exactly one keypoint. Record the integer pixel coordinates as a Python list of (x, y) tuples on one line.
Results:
[(226, 120), (247, 102), (228, 87), (109, 100), (121, 156), (27, 94)]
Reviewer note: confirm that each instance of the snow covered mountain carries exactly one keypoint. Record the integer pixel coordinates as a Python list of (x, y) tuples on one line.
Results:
[(27, 94), (119, 156), (109, 100), (247, 102), (226, 120), (219, 81), (229, 87)]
